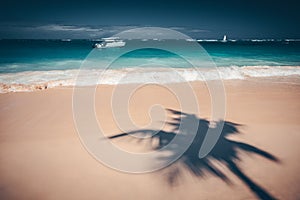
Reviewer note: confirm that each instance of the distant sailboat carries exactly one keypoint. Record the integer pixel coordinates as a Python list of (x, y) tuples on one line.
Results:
[(224, 38)]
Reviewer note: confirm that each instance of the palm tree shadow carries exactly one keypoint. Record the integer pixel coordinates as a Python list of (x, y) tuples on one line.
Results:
[(226, 151)]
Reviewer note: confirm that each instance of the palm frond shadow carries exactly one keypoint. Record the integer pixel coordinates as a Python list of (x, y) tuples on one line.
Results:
[(226, 151)]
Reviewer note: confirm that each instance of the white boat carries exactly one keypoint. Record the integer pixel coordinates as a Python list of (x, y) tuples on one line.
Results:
[(110, 43), (224, 38)]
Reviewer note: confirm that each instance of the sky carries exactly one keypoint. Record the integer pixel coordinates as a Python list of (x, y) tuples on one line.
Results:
[(211, 19)]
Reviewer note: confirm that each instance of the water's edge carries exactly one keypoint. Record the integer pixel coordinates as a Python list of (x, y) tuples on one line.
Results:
[(40, 80)]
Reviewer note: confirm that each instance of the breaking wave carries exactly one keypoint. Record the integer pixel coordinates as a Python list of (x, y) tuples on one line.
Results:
[(39, 80)]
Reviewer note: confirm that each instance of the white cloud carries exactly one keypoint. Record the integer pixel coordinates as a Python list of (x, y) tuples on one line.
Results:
[(57, 31), (56, 27)]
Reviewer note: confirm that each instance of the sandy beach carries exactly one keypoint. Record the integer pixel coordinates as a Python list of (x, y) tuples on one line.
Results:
[(42, 156)]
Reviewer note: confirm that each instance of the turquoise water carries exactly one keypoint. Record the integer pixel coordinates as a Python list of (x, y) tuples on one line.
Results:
[(44, 55), (27, 63), (41, 55)]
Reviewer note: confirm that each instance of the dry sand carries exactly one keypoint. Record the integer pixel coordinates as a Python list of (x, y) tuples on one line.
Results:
[(41, 156)]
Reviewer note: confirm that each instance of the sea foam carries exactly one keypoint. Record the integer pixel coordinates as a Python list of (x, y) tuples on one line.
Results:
[(39, 80)]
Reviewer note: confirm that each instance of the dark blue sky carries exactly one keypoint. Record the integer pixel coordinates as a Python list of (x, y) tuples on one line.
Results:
[(199, 19)]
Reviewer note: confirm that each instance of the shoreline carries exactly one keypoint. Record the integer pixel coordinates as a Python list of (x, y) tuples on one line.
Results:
[(16, 88)]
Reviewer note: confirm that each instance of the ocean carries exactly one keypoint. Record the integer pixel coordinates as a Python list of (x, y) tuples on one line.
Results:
[(56, 62)]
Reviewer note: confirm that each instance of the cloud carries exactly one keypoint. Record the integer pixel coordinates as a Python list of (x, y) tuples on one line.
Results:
[(56, 27), (59, 31), (199, 31)]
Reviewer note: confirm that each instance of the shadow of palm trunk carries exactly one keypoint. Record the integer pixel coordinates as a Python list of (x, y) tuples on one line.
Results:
[(255, 188), (225, 151)]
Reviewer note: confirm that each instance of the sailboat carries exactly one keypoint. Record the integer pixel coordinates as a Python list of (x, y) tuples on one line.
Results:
[(224, 38)]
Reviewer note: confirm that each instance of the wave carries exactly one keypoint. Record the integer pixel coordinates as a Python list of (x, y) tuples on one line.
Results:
[(40, 65), (39, 80)]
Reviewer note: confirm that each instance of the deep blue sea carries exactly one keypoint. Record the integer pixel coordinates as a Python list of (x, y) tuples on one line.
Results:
[(39, 61), (41, 55)]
